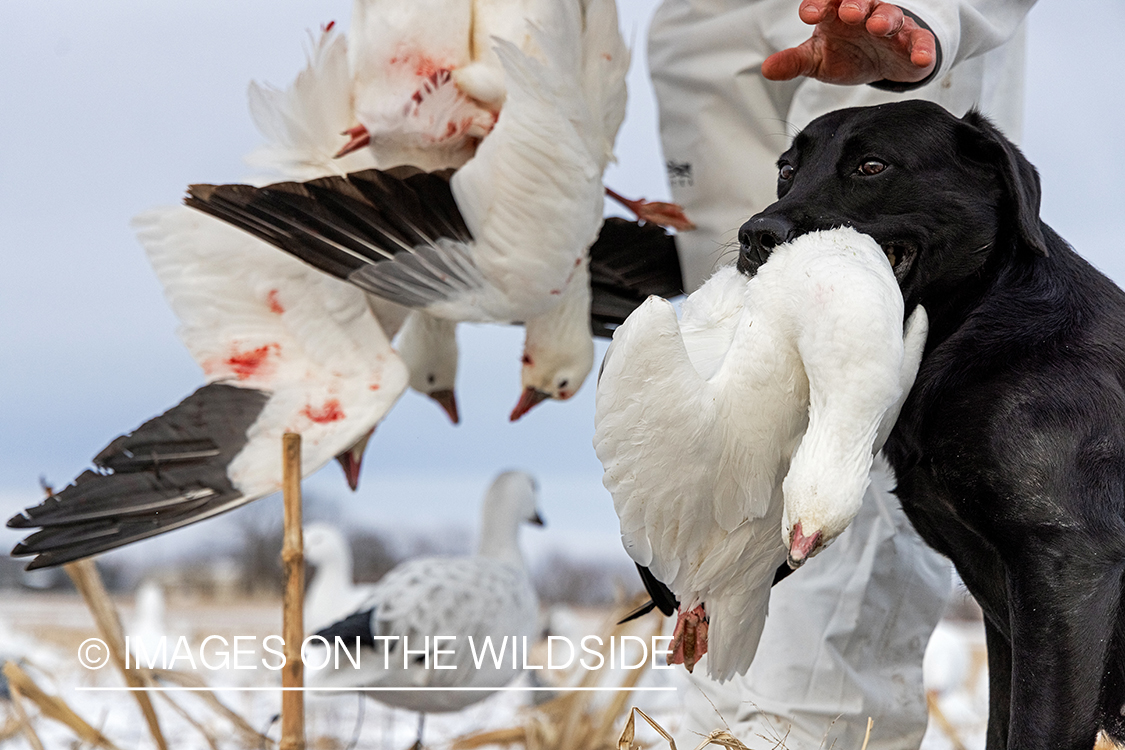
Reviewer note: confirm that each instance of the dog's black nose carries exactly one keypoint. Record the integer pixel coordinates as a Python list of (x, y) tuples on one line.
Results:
[(758, 237)]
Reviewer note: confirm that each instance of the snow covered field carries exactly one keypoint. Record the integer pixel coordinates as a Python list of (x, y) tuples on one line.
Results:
[(43, 632)]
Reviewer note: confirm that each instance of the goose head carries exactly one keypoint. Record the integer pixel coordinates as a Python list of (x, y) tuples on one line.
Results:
[(558, 351), (511, 501), (428, 346), (323, 542), (823, 492), (351, 460)]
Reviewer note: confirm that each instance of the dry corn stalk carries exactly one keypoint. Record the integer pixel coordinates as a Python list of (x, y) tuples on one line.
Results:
[(53, 707), (22, 722), (293, 569), (1105, 743), (625, 741), (943, 721), (570, 722), (89, 583), (250, 736)]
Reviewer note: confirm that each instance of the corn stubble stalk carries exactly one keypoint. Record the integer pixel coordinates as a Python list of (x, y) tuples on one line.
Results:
[(570, 721), (250, 736), (89, 583), (51, 706), (293, 629)]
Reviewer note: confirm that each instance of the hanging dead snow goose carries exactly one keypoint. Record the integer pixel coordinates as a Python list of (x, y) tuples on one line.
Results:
[(408, 107), (697, 420), (283, 348), (301, 126), (505, 239), (486, 596)]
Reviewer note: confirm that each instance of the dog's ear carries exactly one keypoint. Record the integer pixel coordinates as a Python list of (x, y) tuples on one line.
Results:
[(980, 140)]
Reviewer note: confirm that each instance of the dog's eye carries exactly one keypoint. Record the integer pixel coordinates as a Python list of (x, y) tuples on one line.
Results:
[(786, 171), (871, 166)]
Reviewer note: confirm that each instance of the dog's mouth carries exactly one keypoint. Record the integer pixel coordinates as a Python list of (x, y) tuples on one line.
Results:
[(901, 254)]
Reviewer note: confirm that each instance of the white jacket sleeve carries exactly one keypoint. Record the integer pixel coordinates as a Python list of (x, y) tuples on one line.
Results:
[(967, 28)]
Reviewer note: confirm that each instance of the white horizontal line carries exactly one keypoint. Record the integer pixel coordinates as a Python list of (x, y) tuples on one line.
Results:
[(376, 689)]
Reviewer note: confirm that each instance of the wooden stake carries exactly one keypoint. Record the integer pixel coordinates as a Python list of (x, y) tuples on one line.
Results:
[(88, 581), (293, 628)]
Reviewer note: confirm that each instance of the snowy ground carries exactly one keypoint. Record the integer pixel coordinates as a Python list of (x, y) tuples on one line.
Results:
[(44, 632)]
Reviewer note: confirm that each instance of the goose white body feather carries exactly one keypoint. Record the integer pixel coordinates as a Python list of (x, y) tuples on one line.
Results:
[(531, 197), (302, 126), (485, 596), (401, 59), (255, 318), (698, 420)]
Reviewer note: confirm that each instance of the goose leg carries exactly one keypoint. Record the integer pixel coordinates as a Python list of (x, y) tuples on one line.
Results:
[(655, 212), (421, 724), (689, 639)]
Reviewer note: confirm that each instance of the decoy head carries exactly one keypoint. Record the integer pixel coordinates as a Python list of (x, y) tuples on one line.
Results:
[(321, 542), (514, 494)]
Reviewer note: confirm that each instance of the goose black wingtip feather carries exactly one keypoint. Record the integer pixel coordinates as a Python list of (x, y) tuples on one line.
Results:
[(341, 224), (663, 598), (628, 262), (168, 473)]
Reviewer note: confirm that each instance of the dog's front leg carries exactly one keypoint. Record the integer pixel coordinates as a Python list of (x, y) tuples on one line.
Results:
[(1064, 603), (999, 686)]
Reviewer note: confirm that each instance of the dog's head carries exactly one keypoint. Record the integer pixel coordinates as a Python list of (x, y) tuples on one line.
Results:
[(941, 195)]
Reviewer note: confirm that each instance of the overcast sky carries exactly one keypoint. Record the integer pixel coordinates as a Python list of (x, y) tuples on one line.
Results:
[(110, 108)]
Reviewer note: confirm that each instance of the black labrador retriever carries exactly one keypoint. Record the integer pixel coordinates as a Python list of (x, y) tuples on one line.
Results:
[(1010, 450)]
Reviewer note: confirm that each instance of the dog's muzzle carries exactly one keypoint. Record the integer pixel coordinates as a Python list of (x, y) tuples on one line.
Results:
[(758, 237)]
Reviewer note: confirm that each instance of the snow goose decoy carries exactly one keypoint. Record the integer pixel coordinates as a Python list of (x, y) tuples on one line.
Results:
[(332, 593), (505, 238), (488, 595), (697, 419), (283, 347)]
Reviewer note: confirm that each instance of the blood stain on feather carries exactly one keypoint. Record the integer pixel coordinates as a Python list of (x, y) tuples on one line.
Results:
[(275, 305), (245, 363), (329, 412)]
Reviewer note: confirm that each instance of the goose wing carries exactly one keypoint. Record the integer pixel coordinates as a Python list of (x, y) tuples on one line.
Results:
[(283, 348), (628, 262)]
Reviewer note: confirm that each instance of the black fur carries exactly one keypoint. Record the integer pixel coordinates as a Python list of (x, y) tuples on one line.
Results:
[(1010, 449)]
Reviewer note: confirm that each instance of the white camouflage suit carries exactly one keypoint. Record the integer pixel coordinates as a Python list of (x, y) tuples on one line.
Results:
[(845, 635)]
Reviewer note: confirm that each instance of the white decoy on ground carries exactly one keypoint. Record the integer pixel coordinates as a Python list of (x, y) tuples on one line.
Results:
[(505, 239), (697, 420), (146, 627), (486, 596), (332, 593)]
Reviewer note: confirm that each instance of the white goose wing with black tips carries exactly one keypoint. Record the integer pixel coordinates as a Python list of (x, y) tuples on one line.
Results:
[(283, 348)]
